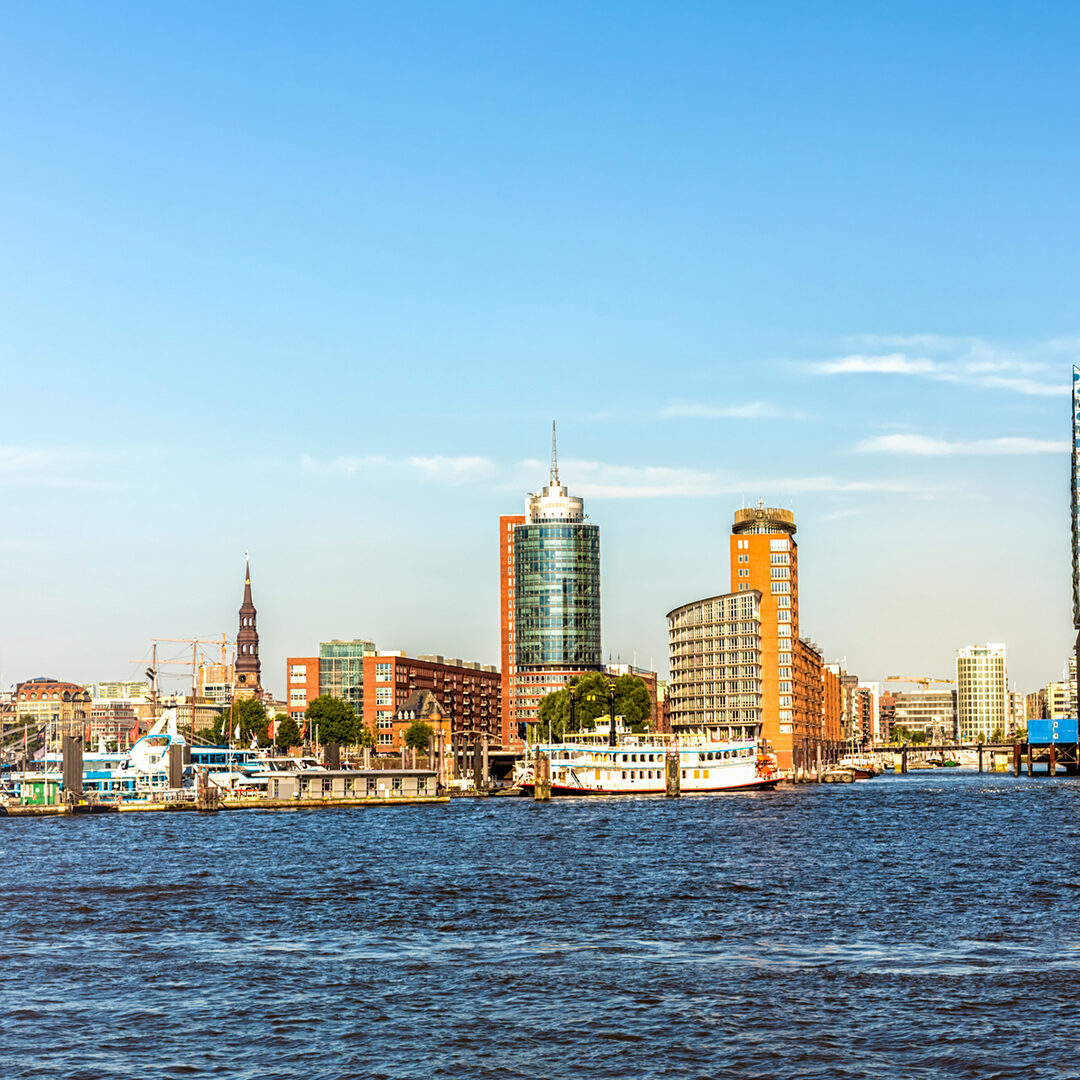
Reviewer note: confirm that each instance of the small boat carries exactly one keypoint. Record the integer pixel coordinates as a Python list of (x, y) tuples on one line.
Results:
[(863, 767), (838, 776)]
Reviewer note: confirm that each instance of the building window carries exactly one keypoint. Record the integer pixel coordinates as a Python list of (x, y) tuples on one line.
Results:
[(382, 672)]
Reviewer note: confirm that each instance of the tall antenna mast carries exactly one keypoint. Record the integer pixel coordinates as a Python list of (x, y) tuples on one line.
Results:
[(554, 458)]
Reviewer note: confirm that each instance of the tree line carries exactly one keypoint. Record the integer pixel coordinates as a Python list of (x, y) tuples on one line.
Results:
[(587, 698), (333, 720)]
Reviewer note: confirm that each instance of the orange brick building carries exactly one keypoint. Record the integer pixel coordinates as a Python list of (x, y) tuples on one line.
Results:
[(808, 722), (765, 557), (832, 705), (301, 684)]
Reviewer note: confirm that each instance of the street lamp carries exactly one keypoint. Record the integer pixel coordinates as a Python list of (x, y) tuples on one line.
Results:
[(611, 708)]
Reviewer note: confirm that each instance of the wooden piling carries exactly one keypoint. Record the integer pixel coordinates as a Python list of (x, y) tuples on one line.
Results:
[(1031, 764), (980, 757), (206, 797), (477, 766), (903, 758), (542, 780), (71, 765), (672, 775), (1016, 759), (1051, 765)]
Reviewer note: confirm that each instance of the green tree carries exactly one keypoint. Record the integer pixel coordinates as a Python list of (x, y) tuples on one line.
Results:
[(591, 697), (287, 734), (250, 716), (335, 720), (418, 735)]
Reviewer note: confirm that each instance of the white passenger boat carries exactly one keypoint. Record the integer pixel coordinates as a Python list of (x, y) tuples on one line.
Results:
[(588, 764)]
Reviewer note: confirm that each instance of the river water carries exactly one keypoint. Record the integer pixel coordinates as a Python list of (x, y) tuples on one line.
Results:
[(918, 926)]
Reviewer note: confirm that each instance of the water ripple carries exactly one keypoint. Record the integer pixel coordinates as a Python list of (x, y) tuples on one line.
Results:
[(906, 927)]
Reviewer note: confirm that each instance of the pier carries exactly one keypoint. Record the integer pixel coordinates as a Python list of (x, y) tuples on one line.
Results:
[(1048, 754)]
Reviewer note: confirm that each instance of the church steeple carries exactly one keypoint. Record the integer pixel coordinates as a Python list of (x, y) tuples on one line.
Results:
[(247, 667)]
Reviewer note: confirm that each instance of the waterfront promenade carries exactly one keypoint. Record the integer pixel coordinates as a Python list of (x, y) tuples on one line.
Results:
[(894, 928)]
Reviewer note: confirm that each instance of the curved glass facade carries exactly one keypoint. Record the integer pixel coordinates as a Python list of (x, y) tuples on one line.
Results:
[(557, 594)]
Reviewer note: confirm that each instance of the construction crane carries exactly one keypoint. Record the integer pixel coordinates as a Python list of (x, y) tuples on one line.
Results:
[(920, 680)]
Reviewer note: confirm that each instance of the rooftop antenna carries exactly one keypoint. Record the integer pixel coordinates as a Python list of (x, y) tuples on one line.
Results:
[(554, 458)]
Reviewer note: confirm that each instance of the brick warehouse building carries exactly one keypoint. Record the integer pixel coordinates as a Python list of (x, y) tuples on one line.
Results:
[(468, 692)]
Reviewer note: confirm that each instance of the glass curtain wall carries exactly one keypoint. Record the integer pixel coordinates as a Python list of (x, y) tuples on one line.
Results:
[(557, 595)]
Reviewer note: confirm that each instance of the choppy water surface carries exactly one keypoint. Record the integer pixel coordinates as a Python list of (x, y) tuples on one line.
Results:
[(918, 926)]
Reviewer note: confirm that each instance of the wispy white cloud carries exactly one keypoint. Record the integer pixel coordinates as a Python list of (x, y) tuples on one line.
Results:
[(1035, 371), (455, 470), (599, 479), (859, 364), (602, 480), (437, 468), (750, 410), (341, 466), (62, 467), (924, 446)]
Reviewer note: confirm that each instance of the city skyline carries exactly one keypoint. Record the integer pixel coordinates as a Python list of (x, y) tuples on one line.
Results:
[(320, 296)]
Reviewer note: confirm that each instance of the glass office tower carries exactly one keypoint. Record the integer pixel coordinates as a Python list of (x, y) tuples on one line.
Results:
[(550, 601), (557, 595)]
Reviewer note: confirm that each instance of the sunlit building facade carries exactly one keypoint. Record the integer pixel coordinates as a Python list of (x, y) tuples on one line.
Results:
[(714, 647), (982, 703)]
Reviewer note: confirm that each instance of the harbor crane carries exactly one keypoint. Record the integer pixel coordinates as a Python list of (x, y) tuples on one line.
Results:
[(919, 680)]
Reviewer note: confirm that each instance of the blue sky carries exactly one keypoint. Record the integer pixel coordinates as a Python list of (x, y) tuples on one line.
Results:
[(313, 280)]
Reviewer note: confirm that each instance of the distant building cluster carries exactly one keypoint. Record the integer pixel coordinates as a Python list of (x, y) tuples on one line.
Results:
[(740, 662)]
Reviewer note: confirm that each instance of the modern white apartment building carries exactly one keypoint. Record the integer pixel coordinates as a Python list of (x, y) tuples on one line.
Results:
[(982, 697), (715, 652)]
